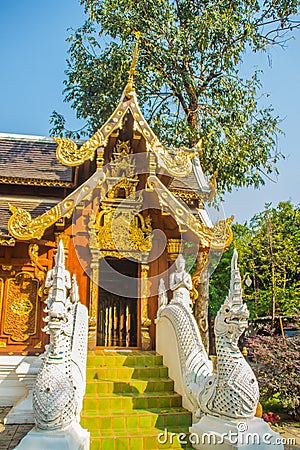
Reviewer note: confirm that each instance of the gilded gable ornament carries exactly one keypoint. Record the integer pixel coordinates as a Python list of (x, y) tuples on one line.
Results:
[(121, 233), (22, 226), (69, 154), (121, 149)]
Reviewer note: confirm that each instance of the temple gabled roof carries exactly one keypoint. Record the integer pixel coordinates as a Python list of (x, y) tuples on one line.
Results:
[(179, 168), (31, 160), (179, 164), (176, 162)]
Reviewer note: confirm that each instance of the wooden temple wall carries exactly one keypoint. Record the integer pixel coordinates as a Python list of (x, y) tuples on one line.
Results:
[(23, 269), (22, 273)]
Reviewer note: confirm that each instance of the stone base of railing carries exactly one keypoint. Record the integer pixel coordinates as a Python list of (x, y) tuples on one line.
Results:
[(73, 437), (226, 434)]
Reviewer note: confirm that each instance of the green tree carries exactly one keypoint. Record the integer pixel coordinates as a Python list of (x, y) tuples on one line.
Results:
[(188, 80), (269, 253), (220, 278), (275, 260), (220, 282)]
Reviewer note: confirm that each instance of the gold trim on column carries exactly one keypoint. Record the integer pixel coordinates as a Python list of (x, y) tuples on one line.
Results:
[(201, 263), (1, 294), (93, 307), (94, 283), (145, 321)]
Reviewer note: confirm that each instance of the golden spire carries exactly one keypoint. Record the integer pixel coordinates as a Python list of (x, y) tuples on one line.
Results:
[(130, 83)]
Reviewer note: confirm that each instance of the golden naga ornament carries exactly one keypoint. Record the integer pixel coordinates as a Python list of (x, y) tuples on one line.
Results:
[(69, 154), (222, 234), (22, 226)]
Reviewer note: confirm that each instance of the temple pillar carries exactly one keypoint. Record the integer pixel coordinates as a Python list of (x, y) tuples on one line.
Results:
[(200, 280), (94, 285), (146, 343)]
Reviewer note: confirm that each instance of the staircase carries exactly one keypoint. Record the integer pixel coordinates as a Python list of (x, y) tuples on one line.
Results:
[(130, 400)]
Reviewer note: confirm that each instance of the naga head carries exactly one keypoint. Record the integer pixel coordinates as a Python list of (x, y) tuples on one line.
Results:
[(57, 308), (232, 317)]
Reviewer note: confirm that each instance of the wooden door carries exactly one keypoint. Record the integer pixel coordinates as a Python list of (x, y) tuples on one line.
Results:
[(118, 304)]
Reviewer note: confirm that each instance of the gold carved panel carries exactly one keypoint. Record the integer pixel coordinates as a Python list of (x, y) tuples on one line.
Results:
[(21, 307), (1, 294), (121, 233)]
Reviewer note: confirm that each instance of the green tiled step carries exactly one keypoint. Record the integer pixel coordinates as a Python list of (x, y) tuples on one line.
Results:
[(126, 373), (138, 439), (130, 400), (106, 386), (150, 418), (131, 359)]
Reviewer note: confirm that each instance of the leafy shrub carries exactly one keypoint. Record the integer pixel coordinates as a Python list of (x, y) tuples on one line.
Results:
[(277, 368)]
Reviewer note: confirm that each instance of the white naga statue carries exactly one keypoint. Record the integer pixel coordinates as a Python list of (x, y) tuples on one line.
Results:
[(60, 383), (221, 398), (233, 390)]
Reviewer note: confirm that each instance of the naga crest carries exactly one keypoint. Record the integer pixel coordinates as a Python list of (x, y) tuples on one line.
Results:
[(60, 384), (232, 317)]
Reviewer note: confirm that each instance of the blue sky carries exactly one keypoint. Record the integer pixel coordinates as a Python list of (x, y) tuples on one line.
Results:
[(33, 54)]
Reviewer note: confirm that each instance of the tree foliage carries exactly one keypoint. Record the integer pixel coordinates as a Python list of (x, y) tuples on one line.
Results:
[(269, 254), (188, 77)]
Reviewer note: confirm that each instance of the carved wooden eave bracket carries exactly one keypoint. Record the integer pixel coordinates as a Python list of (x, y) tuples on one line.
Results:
[(217, 237), (6, 240), (21, 225), (185, 219)]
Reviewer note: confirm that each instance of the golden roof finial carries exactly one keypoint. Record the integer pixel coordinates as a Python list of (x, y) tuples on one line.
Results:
[(130, 83)]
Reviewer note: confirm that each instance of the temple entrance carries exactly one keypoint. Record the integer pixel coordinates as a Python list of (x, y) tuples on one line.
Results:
[(118, 303)]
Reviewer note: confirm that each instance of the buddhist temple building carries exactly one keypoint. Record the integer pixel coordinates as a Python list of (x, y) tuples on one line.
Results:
[(124, 206)]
